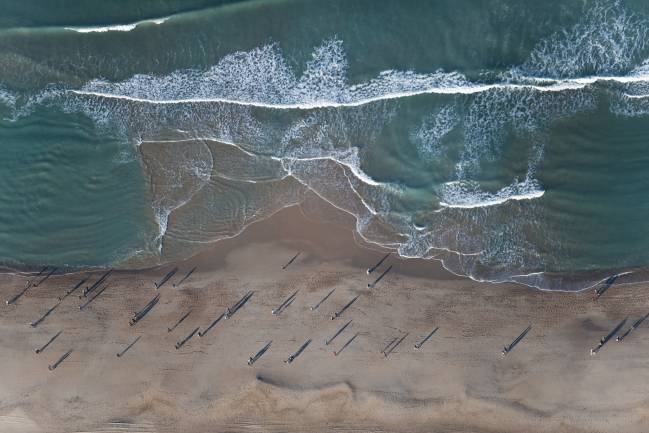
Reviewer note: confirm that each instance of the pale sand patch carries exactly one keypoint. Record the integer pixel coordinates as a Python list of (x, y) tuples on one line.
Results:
[(17, 421)]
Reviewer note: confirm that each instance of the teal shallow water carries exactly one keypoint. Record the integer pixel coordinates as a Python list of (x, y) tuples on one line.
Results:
[(505, 138), (68, 197)]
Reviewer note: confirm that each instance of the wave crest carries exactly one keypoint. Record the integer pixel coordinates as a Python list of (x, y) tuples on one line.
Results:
[(117, 27), (468, 194), (317, 132)]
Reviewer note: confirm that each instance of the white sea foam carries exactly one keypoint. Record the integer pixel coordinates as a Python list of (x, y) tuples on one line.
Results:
[(631, 96), (468, 194), (333, 134), (632, 99), (7, 99), (365, 94), (607, 40), (642, 70), (117, 27), (348, 159), (630, 105), (316, 139), (525, 104), (318, 128), (262, 78), (433, 129)]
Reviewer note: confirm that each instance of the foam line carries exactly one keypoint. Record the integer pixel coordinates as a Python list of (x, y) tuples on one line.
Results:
[(626, 95), (494, 201), (467, 195), (468, 89), (116, 27), (518, 99)]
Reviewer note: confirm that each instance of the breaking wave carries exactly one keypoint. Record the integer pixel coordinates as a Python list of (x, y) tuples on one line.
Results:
[(460, 194), (238, 141), (117, 27), (262, 78), (395, 85)]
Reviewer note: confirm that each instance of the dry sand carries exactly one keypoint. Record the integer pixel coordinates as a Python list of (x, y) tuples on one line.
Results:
[(458, 381)]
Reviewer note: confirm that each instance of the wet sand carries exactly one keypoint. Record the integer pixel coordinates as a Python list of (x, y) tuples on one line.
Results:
[(457, 382)]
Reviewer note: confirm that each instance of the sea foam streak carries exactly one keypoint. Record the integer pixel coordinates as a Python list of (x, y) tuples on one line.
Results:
[(7, 98), (317, 131), (117, 27), (469, 195), (262, 78), (607, 40), (397, 86), (434, 128)]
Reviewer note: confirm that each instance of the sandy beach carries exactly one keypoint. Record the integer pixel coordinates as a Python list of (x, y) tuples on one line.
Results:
[(457, 382)]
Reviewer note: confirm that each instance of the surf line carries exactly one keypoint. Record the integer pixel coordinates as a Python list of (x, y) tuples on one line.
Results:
[(468, 89), (494, 201), (117, 27)]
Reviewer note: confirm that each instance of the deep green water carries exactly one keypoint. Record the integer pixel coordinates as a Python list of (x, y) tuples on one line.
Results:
[(506, 138)]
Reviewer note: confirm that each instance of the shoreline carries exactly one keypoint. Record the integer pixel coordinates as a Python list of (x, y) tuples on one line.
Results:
[(632, 276), (458, 381)]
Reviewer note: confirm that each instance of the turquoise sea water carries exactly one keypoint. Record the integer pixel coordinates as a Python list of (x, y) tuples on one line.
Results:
[(506, 138)]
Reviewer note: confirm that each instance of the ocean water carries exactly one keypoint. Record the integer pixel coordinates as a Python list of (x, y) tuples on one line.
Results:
[(505, 138)]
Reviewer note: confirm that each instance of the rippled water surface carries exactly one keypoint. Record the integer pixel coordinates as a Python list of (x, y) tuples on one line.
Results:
[(506, 138)]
